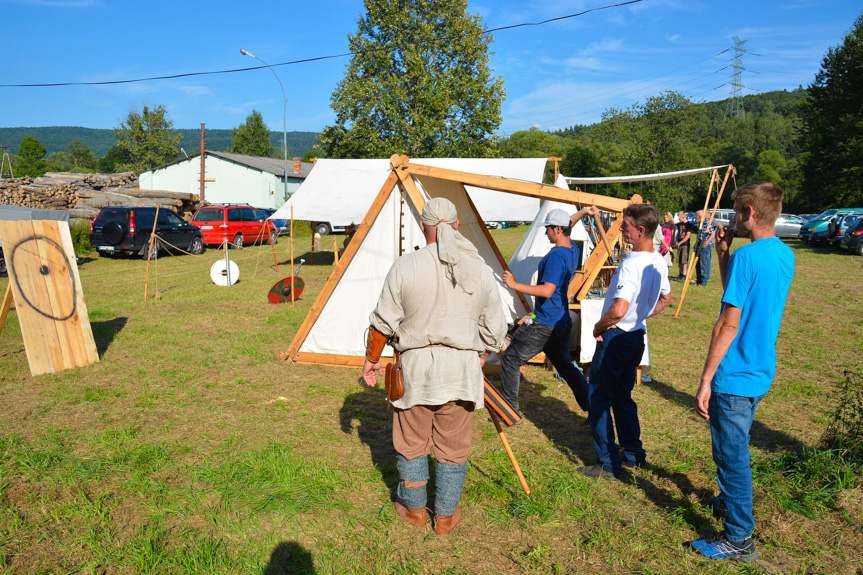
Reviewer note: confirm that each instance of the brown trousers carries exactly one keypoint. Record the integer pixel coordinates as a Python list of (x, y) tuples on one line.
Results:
[(443, 430)]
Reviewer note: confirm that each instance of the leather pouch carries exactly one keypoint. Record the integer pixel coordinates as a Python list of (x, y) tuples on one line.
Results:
[(393, 379)]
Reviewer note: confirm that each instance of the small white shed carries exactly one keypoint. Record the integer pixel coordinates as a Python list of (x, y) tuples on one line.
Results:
[(230, 178)]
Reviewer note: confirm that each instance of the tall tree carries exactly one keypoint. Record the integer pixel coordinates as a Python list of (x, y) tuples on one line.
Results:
[(31, 157), (658, 136), (252, 137), (833, 169), (112, 161), (147, 139), (78, 156), (418, 83)]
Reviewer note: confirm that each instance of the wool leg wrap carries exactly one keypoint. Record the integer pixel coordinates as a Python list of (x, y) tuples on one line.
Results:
[(416, 469), (449, 480)]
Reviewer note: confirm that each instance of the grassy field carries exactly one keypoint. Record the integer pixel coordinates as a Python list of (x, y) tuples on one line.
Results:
[(191, 448)]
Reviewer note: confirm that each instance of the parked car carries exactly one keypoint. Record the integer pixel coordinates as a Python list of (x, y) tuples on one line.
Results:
[(493, 225), (282, 226), (126, 230), (240, 225), (788, 226), (842, 227), (852, 240), (724, 218), (327, 228), (807, 217), (821, 221)]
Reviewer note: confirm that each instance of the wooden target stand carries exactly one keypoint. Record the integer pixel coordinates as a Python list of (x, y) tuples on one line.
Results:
[(46, 288)]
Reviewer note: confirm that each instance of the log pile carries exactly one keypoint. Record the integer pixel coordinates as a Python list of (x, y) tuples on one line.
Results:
[(84, 194)]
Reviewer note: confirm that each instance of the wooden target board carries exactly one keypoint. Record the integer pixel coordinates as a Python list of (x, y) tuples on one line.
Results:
[(46, 287)]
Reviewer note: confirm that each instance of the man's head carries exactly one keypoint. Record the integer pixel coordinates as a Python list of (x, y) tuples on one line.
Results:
[(757, 205), (699, 216), (557, 223), (639, 221), (682, 217), (437, 211)]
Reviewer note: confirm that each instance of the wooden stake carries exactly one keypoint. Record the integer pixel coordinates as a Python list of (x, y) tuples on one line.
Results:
[(292, 254), (7, 303), (509, 451), (602, 235), (150, 250), (335, 252)]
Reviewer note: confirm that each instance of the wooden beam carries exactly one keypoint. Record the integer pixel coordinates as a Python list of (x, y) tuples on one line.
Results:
[(521, 188), (399, 164), (594, 264), (339, 270)]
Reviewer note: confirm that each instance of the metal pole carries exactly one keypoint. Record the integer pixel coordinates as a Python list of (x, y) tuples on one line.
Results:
[(245, 52)]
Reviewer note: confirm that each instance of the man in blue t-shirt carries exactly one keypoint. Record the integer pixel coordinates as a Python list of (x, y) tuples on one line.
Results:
[(741, 359), (549, 331)]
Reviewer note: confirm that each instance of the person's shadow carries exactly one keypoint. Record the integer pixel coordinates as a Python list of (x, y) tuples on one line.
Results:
[(290, 558), (568, 431), (366, 412)]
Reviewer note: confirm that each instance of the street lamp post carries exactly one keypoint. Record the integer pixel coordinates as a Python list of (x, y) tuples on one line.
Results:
[(245, 52)]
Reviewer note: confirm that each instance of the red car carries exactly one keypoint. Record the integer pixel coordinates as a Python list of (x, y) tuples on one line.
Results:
[(240, 225)]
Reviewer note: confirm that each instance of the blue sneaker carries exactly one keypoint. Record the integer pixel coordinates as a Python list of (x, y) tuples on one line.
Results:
[(721, 548)]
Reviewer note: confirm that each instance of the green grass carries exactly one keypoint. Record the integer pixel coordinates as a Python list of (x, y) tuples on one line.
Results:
[(191, 448)]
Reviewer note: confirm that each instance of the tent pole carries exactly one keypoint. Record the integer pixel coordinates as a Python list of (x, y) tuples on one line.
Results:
[(292, 257)]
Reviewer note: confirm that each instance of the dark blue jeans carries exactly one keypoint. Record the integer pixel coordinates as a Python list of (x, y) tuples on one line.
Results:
[(529, 340), (702, 270), (731, 419), (612, 377)]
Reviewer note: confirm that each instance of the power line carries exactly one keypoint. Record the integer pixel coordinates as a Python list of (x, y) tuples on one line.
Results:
[(306, 60)]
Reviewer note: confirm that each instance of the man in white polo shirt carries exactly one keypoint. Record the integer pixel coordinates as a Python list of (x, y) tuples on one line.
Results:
[(638, 290)]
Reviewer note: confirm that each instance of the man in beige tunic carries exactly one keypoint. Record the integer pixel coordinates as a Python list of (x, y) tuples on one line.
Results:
[(443, 305)]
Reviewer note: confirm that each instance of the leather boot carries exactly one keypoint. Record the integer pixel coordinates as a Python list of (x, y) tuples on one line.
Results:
[(413, 516), (444, 525)]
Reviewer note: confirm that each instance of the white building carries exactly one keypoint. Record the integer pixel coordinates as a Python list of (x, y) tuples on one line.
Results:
[(230, 178)]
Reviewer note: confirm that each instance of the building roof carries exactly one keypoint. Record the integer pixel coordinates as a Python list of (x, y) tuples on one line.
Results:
[(274, 166)]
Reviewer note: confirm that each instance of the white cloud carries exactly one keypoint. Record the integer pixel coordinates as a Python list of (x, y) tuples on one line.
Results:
[(195, 91), (244, 108)]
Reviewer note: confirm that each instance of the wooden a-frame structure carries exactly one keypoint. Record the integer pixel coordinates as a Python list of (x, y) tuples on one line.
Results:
[(409, 184)]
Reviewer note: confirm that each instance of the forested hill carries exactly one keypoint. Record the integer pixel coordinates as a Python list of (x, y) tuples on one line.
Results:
[(100, 141)]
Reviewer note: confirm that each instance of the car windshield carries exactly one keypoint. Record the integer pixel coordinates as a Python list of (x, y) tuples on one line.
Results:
[(825, 215)]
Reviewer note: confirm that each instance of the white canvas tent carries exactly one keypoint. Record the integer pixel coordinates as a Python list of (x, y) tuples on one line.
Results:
[(341, 191), (332, 332), (534, 245)]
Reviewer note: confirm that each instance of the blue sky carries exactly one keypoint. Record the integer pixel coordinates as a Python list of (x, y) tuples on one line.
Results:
[(556, 75)]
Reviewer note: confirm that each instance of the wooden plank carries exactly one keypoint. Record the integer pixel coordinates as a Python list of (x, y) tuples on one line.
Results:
[(5, 306), (335, 360), (399, 165), (339, 270), (51, 266), (529, 189), (12, 234), (594, 264), (89, 354)]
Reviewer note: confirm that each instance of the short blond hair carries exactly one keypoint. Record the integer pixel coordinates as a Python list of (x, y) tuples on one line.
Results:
[(765, 197)]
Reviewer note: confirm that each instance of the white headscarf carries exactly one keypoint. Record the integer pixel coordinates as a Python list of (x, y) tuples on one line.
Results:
[(453, 249)]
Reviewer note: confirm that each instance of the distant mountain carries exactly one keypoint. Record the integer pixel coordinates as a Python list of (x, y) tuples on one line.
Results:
[(100, 141)]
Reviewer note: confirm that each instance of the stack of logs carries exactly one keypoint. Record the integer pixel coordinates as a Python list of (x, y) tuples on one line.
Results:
[(84, 194)]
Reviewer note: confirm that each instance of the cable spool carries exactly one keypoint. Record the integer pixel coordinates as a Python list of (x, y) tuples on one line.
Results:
[(219, 273)]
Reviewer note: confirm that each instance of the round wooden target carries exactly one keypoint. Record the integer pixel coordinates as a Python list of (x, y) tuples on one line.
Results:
[(281, 291)]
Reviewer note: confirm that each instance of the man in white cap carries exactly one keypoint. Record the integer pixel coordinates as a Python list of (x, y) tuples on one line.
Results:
[(551, 325), (443, 305)]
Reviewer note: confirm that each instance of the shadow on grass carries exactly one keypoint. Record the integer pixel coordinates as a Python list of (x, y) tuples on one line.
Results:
[(290, 558), (569, 432), (678, 502), (364, 412), (105, 331), (322, 258), (762, 436)]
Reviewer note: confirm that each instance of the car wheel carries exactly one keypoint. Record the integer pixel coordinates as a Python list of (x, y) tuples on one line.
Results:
[(197, 246), (238, 242), (859, 249), (274, 238), (323, 229), (154, 250), (113, 233)]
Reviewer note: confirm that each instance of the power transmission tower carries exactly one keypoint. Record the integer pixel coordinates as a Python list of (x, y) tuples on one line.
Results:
[(5, 161), (734, 107)]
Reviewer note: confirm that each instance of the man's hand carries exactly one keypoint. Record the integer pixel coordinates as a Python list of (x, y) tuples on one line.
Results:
[(483, 357), (702, 398), (508, 280), (371, 371), (724, 238)]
